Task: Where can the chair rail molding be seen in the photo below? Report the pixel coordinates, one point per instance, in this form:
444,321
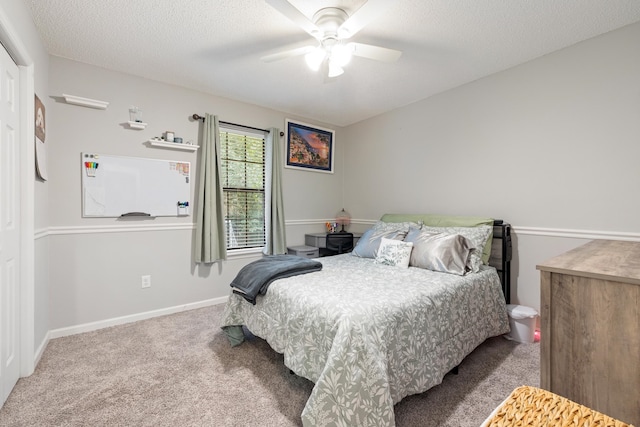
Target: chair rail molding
519,230
575,234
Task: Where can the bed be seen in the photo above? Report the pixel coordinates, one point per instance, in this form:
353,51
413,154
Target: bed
367,334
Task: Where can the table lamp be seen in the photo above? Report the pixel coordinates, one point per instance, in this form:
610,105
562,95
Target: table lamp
343,218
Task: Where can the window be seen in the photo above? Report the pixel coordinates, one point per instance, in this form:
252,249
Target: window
243,181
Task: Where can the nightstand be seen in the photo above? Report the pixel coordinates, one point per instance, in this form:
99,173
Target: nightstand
304,251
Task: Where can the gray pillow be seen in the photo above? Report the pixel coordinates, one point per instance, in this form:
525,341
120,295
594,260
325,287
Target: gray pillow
477,235
368,244
443,252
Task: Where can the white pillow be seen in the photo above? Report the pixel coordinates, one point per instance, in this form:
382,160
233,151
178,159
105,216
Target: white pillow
394,252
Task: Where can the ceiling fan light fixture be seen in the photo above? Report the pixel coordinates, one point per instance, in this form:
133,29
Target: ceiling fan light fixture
341,54
334,68
315,58
332,26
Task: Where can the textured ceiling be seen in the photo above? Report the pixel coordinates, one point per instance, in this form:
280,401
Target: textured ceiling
215,46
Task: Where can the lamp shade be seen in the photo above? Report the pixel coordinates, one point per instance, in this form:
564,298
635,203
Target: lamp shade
343,218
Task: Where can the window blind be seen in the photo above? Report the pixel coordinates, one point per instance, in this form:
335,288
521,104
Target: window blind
243,182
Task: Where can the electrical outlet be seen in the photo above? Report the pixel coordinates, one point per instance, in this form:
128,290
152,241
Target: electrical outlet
146,281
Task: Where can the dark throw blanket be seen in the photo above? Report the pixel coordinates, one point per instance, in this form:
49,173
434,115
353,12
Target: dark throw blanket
255,277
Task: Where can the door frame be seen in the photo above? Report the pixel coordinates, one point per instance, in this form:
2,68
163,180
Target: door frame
26,92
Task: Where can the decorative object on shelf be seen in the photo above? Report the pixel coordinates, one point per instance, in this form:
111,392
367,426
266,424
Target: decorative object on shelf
135,118
343,218
332,227
168,136
157,142
135,114
309,147
177,140
85,102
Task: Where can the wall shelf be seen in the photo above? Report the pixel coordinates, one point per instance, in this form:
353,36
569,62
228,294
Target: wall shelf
136,125
85,102
173,145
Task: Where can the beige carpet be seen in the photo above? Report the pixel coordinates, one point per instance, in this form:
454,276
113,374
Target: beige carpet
179,370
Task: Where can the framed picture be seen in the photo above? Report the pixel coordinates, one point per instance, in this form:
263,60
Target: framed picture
40,132
309,147
40,123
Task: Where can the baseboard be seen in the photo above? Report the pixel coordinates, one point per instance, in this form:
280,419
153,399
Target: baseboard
40,351
93,326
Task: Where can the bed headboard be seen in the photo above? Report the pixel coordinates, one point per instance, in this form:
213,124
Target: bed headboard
500,256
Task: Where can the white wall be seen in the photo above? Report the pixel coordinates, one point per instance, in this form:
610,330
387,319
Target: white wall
550,146
95,275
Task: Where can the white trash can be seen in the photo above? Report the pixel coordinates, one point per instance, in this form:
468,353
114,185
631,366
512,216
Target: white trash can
523,323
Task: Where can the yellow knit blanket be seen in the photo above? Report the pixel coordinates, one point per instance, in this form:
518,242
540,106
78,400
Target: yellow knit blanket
534,407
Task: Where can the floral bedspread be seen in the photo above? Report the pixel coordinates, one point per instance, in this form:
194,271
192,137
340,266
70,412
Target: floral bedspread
369,334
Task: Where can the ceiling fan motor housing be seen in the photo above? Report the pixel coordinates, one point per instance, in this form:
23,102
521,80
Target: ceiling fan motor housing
329,20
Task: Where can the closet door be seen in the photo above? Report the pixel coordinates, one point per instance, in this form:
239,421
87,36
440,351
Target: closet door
9,226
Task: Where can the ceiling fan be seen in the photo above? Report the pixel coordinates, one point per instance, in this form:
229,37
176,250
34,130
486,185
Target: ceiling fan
331,27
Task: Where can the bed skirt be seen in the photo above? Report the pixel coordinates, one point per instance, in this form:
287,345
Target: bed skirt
531,406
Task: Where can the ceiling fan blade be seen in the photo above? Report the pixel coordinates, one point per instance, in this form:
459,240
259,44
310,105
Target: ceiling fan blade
374,52
291,12
361,17
287,54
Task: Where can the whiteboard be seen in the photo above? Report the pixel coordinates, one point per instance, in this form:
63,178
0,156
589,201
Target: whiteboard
118,186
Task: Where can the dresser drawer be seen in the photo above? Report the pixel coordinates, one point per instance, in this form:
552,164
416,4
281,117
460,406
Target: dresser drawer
304,251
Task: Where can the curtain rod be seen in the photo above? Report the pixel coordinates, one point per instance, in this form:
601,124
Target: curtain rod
198,117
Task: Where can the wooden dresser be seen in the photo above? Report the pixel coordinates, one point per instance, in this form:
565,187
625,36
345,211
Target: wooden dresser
590,327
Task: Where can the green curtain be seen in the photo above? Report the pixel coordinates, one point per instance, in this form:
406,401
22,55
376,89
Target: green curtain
211,245
276,237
